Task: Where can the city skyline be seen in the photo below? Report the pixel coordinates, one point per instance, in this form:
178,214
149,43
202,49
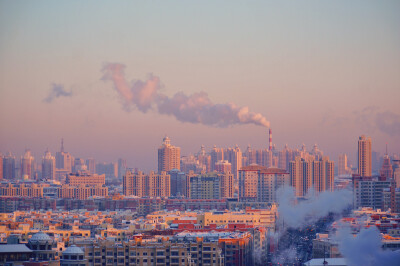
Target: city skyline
320,73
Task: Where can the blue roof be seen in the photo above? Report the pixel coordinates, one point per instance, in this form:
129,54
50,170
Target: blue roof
14,248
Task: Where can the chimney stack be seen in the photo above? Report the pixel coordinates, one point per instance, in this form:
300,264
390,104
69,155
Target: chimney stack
270,139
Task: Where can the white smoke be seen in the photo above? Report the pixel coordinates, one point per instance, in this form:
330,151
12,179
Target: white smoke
315,206
365,248
195,108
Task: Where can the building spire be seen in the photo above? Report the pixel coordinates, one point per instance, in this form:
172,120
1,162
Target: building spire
62,145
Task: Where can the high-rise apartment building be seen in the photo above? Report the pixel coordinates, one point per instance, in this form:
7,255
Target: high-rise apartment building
151,185
227,185
300,175
205,186
269,181
168,156
178,183
79,165
342,165
217,154
159,184
64,160
91,165
234,156
27,165
364,156
134,184
248,182
386,169
48,166
121,168
267,156
251,156
204,158
369,191
110,170
396,172
323,174
223,166
310,173
9,166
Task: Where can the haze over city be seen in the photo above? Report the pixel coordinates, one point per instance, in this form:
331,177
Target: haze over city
319,72
209,133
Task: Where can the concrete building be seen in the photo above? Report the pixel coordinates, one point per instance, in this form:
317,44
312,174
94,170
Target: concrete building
325,247
217,154
342,165
73,256
134,184
178,183
159,185
22,190
27,165
9,166
254,217
42,245
79,165
82,192
310,173
323,174
121,168
64,160
396,172
110,170
248,182
204,158
205,186
84,178
269,181
48,166
386,169
391,199
267,158
368,191
364,156
91,165
234,156
223,166
227,185
168,156
154,251
151,185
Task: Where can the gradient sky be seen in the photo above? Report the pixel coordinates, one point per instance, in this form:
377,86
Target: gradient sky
321,72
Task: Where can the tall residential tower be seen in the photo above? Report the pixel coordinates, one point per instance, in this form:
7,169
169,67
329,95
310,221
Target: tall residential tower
168,156
364,156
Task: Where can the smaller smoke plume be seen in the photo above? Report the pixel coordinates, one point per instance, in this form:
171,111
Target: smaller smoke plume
195,108
365,248
309,211
56,91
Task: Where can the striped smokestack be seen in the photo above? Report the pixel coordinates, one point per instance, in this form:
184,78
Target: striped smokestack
270,139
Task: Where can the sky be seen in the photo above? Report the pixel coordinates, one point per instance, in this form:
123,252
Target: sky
321,72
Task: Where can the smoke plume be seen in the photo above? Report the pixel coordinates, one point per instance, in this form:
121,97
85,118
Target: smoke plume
57,90
365,248
309,211
196,108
